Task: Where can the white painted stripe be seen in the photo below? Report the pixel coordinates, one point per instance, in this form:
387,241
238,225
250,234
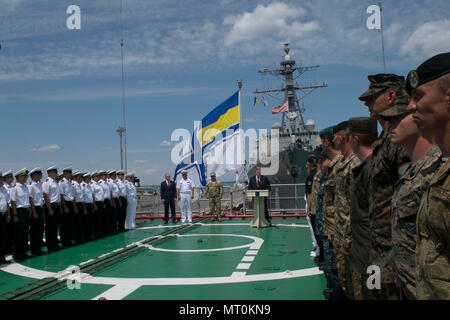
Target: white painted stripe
243,266
86,262
248,259
238,274
252,252
118,292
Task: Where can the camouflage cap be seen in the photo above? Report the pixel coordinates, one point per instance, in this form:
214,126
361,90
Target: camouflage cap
400,106
363,125
326,133
213,174
381,82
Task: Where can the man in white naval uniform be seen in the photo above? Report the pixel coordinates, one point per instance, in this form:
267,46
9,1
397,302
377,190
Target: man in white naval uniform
108,211
68,206
52,209
8,183
37,211
185,190
20,204
5,216
99,205
77,220
89,205
130,222
114,200
123,200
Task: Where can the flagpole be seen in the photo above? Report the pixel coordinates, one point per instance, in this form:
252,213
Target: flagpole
241,127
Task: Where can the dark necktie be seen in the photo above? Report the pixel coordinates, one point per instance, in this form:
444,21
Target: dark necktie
168,184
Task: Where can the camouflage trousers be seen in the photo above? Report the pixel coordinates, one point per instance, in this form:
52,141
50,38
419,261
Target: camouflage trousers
330,267
344,273
215,207
360,290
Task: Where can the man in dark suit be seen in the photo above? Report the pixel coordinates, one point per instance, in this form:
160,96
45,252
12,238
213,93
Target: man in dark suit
260,182
168,193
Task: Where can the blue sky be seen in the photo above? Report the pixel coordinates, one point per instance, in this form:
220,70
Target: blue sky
60,89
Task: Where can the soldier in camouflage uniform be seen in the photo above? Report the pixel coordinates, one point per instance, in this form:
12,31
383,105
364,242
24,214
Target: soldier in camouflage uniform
385,91
312,210
342,237
214,192
362,133
429,86
328,206
425,159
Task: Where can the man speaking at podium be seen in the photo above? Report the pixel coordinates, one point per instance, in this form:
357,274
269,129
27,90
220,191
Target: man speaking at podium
260,182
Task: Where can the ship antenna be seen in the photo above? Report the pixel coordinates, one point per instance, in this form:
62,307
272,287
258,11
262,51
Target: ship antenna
123,129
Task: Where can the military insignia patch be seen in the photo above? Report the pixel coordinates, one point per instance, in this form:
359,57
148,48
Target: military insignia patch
413,79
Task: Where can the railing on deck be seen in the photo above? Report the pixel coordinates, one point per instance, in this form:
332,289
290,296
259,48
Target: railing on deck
283,199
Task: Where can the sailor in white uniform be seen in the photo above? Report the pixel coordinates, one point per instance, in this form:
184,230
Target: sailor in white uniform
37,211
130,222
5,216
185,190
52,209
20,204
123,200
114,200
8,183
99,205
108,211
77,220
88,222
69,207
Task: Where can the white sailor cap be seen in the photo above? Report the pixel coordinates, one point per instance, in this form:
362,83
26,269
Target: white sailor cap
87,174
93,173
21,172
52,168
130,173
37,169
67,169
77,173
102,171
7,173
112,171
120,171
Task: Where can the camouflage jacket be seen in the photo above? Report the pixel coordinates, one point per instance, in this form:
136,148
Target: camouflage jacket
404,207
344,180
433,238
328,197
385,169
319,211
359,218
214,189
315,190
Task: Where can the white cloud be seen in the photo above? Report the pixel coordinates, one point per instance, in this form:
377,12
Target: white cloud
429,39
166,143
49,147
272,20
141,161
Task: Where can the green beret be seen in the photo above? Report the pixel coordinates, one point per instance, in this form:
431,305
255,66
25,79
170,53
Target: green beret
363,125
380,82
400,106
340,126
325,133
433,68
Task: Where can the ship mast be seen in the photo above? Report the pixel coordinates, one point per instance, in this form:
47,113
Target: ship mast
286,73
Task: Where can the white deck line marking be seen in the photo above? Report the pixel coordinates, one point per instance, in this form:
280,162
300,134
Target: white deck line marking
238,274
251,252
118,292
248,258
243,266
86,262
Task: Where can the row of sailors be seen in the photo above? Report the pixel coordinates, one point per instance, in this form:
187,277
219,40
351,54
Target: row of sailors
80,206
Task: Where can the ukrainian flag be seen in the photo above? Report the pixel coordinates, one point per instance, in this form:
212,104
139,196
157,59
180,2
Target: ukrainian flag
225,116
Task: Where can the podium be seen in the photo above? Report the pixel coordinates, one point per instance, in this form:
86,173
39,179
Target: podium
259,219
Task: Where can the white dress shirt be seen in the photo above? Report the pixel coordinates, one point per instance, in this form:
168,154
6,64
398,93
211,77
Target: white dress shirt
51,188
131,190
113,187
185,186
35,189
21,196
4,199
87,192
98,192
106,189
79,197
122,188
67,189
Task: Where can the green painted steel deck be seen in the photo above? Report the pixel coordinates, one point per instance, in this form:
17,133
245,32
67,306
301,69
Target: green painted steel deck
205,260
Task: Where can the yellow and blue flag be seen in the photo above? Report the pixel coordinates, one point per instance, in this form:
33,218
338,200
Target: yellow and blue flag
255,102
